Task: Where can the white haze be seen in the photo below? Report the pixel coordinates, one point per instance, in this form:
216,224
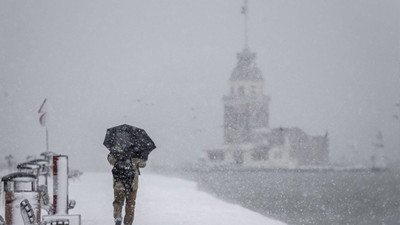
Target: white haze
164,66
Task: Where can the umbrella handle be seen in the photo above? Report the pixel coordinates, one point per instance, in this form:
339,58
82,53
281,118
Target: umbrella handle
137,167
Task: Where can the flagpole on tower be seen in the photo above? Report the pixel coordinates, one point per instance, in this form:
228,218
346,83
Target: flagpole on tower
245,12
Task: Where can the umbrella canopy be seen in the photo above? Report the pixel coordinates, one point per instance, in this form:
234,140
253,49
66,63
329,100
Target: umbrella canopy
130,140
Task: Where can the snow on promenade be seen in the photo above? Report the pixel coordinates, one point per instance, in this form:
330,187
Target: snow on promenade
161,201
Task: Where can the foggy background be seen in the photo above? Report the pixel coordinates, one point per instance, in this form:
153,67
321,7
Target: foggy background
329,66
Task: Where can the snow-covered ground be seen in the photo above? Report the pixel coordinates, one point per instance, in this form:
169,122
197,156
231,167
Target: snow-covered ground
161,201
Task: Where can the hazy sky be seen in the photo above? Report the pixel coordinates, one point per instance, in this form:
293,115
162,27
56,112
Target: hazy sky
164,66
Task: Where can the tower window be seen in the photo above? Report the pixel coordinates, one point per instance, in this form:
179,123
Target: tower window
216,155
238,157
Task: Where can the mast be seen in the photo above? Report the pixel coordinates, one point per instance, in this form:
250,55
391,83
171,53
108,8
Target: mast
245,12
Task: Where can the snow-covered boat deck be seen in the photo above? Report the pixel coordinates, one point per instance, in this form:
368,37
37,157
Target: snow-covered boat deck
161,201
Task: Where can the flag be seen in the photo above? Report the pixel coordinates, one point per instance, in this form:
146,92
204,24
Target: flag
43,107
43,119
43,113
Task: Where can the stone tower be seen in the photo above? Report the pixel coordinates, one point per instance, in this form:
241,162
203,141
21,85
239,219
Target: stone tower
246,108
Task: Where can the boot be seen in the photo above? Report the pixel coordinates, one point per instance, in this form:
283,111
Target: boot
118,221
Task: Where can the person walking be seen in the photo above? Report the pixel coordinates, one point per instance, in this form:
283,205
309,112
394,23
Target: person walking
129,150
126,182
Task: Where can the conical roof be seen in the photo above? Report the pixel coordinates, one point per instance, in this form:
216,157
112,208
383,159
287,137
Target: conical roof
246,68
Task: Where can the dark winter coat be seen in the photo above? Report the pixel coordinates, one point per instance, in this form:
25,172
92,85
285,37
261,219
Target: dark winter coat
138,163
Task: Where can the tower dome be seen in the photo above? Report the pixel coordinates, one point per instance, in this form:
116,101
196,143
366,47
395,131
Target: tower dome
246,69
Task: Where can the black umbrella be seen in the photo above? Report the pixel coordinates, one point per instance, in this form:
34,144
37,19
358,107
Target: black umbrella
130,140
